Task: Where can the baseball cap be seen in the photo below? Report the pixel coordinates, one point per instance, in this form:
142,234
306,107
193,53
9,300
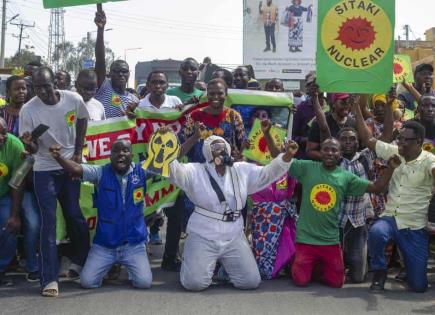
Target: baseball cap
424,66
338,96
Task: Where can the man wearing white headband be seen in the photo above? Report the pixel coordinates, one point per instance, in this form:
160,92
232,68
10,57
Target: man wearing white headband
219,189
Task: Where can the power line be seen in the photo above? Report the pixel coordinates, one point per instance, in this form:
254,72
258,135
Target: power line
21,26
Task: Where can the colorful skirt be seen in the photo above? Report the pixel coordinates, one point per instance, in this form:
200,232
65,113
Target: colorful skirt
273,236
295,33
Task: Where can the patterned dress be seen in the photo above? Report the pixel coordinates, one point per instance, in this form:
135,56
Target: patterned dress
273,227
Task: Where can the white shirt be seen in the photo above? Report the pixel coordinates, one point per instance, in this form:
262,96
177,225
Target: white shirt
193,179
61,118
95,110
170,102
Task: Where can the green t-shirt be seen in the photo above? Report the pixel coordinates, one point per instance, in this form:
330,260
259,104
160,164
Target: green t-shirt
184,96
10,160
322,193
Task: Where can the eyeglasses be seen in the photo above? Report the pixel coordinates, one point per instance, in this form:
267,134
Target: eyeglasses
404,139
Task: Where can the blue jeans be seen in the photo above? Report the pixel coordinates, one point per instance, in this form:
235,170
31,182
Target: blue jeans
30,222
51,186
8,241
414,245
101,259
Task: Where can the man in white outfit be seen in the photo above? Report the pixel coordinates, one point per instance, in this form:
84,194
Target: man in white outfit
219,189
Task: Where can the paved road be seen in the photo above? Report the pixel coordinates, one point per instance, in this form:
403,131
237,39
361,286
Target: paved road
167,297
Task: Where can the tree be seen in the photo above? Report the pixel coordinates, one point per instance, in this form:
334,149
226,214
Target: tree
75,55
20,60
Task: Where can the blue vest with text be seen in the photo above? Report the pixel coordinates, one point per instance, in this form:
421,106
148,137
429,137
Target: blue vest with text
120,223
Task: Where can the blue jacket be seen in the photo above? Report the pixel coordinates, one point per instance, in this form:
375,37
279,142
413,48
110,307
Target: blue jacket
119,222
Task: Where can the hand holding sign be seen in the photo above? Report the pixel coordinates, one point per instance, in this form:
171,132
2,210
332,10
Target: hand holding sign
163,148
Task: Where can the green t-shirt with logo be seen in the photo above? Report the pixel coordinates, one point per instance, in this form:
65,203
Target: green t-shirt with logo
322,193
10,160
182,95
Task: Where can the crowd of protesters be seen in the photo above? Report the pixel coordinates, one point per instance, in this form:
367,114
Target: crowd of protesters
350,195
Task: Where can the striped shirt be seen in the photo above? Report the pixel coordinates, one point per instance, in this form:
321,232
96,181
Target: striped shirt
353,208
114,103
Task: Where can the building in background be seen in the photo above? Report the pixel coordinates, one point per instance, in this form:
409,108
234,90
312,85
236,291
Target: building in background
420,51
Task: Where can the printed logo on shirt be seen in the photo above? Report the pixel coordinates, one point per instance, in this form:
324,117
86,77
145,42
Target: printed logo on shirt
135,179
323,197
282,183
138,195
428,146
70,117
116,100
4,170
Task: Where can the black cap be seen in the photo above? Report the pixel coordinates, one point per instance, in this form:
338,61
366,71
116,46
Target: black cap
424,66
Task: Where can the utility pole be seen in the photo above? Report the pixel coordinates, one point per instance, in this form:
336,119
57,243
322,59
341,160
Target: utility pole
2,49
406,28
20,37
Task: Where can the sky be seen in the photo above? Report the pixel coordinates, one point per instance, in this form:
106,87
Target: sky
172,29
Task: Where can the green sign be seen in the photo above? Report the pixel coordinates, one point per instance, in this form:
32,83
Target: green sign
355,45
69,3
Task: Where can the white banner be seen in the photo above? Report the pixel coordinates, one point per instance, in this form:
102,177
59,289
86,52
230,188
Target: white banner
292,26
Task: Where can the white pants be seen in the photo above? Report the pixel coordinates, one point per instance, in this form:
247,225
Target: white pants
200,257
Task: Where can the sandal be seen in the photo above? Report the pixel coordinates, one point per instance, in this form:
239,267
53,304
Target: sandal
50,290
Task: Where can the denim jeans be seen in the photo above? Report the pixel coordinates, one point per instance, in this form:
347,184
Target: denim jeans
101,259
8,241
30,221
412,243
354,244
51,186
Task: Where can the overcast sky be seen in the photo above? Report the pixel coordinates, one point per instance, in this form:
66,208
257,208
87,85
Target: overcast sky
173,29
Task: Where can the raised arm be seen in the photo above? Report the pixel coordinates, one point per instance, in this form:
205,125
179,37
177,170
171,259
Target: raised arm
325,132
387,134
363,131
411,89
68,165
100,49
381,184
274,170
362,100
192,140
265,128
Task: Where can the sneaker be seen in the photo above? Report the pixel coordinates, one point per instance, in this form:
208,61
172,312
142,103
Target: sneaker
33,276
378,282
5,282
266,49
171,264
72,275
155,239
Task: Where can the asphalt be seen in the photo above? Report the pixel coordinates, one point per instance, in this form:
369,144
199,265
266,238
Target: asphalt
168,297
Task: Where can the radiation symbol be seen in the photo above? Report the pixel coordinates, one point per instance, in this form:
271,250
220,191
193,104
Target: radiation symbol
323,197
4,170
356,35
402,70
163,148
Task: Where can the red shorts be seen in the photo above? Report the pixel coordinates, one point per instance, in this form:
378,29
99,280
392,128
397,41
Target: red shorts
325,261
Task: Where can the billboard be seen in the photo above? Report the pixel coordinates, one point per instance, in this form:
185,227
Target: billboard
279,37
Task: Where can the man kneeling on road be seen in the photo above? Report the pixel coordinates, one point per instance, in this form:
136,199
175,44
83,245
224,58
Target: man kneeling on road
219,189
325,185
121,232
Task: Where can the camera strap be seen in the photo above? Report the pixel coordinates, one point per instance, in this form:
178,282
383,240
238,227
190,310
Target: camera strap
215,187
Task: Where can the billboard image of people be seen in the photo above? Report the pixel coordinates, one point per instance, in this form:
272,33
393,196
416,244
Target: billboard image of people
279,37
